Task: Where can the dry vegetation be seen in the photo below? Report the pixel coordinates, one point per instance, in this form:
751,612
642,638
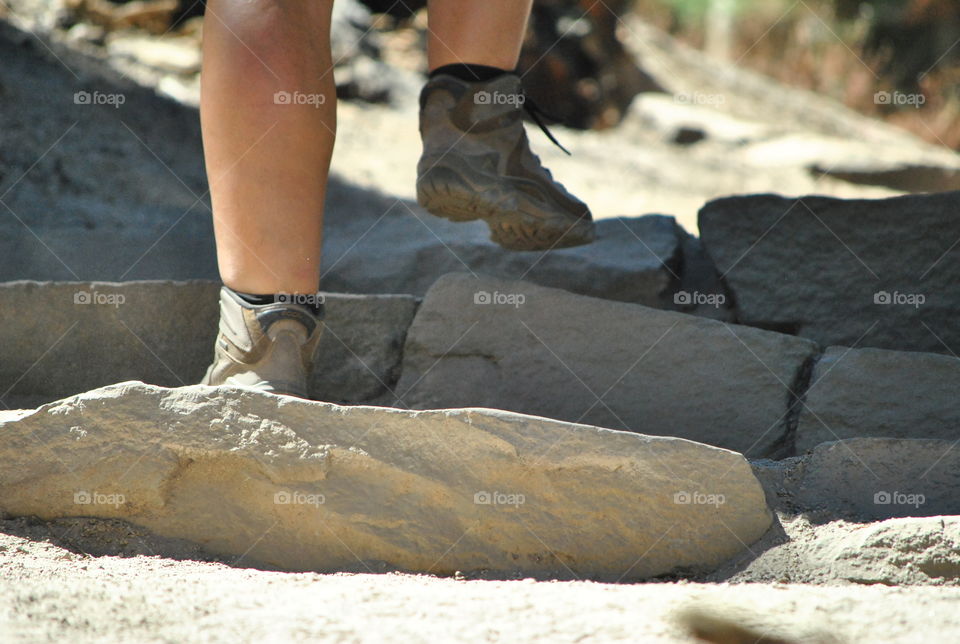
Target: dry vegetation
847,49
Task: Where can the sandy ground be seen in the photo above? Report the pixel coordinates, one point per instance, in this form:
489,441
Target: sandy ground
49,593
84,580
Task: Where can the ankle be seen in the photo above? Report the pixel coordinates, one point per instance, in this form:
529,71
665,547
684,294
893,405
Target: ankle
471,73
313,301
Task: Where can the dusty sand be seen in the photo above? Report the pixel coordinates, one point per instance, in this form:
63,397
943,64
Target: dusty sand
48,592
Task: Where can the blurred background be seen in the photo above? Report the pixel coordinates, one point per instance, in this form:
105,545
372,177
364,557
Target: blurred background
665,104
846,49
575,59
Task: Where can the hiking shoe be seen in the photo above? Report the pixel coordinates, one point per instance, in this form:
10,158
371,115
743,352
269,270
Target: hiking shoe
268,347
477,164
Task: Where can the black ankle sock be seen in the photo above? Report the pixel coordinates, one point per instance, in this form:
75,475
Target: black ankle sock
270,298
256,300
471,73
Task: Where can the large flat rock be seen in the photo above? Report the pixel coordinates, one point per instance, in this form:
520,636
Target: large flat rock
518,346
867,479
875,392
72,336
876,273
312,486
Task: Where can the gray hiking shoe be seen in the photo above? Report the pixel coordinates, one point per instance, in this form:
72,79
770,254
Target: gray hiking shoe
268,347
477,164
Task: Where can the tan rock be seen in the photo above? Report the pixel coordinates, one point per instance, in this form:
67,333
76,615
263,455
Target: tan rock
909,551
306,485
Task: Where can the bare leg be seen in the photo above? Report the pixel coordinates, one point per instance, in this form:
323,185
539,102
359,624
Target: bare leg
481,32
267,158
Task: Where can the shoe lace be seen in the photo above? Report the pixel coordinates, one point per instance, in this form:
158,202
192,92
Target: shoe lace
535,112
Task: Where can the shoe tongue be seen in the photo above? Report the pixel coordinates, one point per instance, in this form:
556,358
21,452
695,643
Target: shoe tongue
506,92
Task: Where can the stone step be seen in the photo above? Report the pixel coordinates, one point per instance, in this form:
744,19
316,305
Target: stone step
63,338
514,345
873,273
302,485
405,250
390,247
505,345
875,392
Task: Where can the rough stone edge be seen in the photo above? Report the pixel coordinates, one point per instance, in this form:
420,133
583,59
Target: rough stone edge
766,540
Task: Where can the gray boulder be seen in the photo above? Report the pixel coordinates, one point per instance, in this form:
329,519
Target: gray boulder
514,345
301,485
877,273
875,392
67,337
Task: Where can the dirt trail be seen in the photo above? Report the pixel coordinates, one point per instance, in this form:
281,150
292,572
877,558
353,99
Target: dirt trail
50,593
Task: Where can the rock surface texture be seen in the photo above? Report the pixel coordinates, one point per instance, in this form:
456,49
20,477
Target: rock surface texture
500,344
405,250
514,345
874,392
867,479
74,336
873,273
895,552
312,486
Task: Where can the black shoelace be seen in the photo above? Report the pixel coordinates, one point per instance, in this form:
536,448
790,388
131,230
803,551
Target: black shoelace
535,112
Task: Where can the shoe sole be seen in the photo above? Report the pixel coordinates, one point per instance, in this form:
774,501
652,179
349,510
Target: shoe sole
445,192
279,388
